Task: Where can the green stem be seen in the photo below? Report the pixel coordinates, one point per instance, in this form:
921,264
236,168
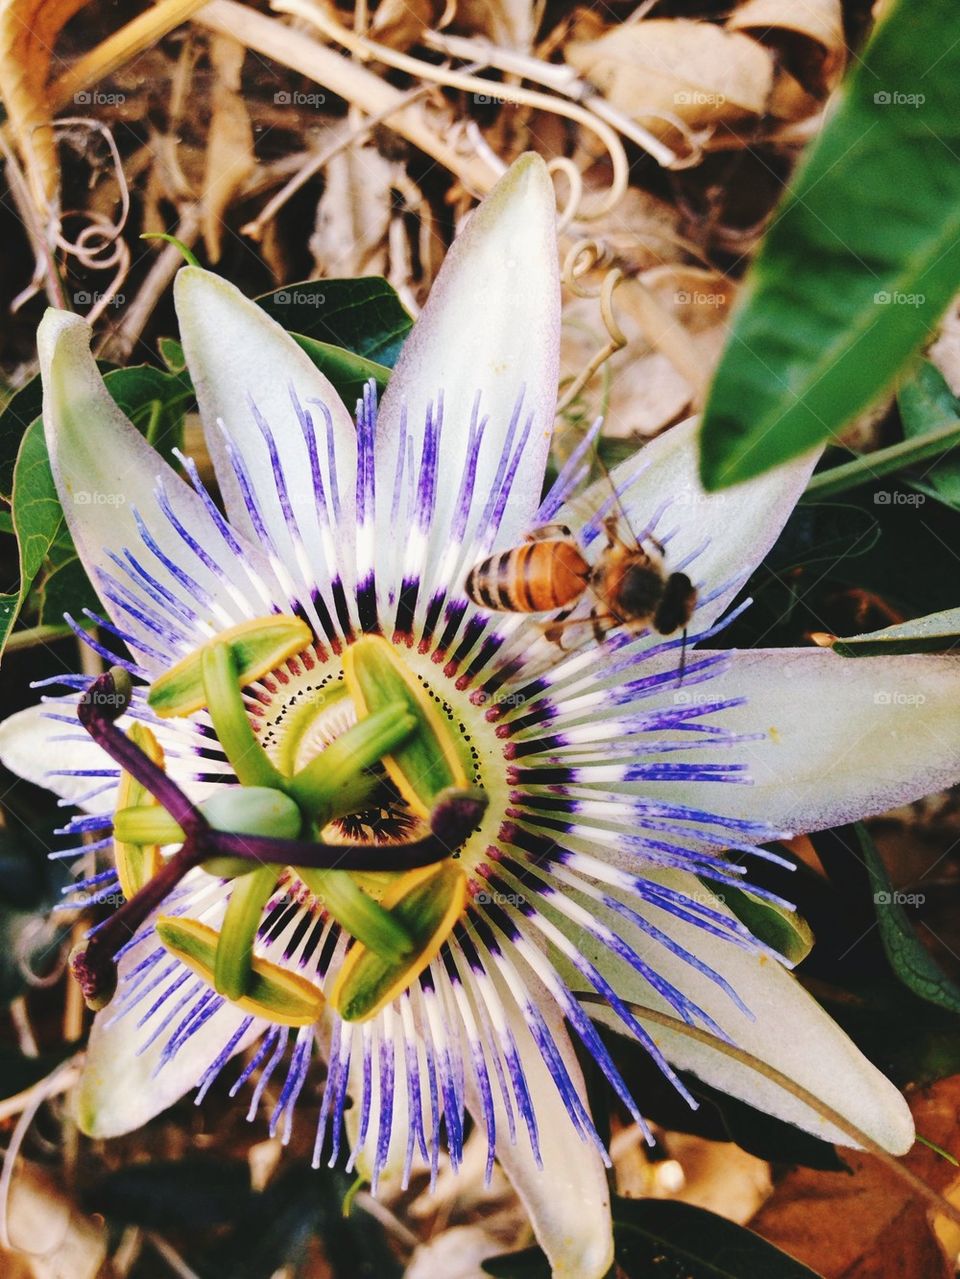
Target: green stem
874,466
188,254
32,635
240,743
234,958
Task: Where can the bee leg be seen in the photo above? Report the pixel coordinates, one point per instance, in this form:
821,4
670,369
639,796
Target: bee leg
546,532
598,617
610,528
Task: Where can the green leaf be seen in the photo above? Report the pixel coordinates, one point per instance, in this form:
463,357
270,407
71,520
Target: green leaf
154,401
37,519
926,404
861,259
349,373
171,352
66,589
364,316
785,930
908,957
674,1240
935,633
18,414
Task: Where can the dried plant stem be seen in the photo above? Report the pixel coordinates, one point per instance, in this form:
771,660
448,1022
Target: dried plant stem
368,49
300,52
559,77
120,47
943,1207
46,266
319,161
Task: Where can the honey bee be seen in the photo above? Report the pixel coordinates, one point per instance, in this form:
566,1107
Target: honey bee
548,572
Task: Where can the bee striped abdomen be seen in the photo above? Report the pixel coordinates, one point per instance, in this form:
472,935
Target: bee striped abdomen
537,577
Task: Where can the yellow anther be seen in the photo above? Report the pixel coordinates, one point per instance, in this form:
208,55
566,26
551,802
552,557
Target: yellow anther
257,647
428,901
136,863
273,993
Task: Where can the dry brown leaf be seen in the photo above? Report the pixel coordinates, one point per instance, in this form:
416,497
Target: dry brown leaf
674,342
51,1239
694,71
869,1225
401,23
353,216
28,33
230,159
511,23
809,36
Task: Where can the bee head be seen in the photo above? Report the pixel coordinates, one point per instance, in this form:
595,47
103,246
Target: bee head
676,605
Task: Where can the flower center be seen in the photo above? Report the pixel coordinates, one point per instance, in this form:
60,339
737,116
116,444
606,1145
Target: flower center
347,753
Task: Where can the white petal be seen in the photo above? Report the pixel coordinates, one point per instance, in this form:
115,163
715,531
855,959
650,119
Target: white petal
790,1031
31,747
239,356
491,325
738,525
846,737
119,1091
104,471
567,1200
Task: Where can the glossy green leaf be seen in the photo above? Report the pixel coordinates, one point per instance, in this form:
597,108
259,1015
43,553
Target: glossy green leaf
365,316
349,373
908,957
676,1240
861,259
